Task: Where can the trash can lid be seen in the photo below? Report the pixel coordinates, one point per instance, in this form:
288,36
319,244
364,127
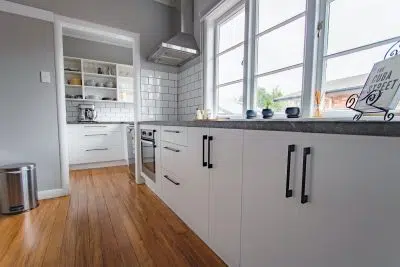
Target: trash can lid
17,167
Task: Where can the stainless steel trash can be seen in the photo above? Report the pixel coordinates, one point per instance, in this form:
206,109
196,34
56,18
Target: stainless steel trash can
18,188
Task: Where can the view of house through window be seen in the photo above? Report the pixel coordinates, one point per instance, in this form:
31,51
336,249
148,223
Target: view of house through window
355,41
351,37
280,54
229,62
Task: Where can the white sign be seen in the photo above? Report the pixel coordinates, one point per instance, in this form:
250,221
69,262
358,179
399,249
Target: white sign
384,80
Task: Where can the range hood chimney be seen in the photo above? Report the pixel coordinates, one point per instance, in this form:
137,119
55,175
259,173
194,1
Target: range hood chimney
182,47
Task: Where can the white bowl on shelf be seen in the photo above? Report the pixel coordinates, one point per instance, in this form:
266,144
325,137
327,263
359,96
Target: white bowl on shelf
93,97
109,84
90,82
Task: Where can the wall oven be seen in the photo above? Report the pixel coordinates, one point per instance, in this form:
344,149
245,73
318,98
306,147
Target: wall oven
148,149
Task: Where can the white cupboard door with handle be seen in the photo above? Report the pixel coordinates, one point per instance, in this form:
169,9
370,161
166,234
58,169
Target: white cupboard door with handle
352,218
226,154
197,182
270,208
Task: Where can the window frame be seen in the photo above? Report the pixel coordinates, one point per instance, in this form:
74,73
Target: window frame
314,55
323,56
232,12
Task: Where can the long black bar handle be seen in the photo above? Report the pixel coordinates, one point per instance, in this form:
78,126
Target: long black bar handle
204,150
210,165
291,149
306,153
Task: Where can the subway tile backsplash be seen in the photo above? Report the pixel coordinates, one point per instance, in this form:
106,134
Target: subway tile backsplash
105,111
190,91
164,96
159,95
159,100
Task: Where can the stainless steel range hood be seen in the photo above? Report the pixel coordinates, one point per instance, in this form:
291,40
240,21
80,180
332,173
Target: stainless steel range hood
182,47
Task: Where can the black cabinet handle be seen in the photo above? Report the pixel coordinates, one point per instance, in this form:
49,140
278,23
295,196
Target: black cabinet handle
171,149
171,131
171,180
306,153
291,149
210,138
204,148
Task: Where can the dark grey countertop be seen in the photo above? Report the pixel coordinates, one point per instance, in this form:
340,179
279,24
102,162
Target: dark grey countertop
327,126
102,122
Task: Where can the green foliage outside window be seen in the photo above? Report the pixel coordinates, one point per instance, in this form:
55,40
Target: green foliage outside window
266,99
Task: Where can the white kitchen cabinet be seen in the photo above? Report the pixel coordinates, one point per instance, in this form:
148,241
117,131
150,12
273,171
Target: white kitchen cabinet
95,144
172,193
226,156
352,215
269,214
197,182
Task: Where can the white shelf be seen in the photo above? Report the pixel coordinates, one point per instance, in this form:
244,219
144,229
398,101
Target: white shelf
72,85
103,101
101,88
72,72
99,75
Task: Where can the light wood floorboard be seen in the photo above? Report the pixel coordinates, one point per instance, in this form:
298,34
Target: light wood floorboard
106,221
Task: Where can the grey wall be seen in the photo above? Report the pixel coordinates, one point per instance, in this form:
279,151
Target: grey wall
28,112
74,47
155,22
199,7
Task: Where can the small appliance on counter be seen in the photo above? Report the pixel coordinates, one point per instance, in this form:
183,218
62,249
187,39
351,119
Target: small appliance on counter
87,113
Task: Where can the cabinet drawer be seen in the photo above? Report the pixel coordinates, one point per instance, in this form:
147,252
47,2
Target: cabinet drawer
87,128
86,154
90,139
173,158
172,192
173,134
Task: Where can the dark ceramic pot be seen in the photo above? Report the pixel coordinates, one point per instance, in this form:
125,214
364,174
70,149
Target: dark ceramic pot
251,114
293,112
267,113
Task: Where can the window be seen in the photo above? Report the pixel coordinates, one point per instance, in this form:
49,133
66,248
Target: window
280,54
229,64
355,40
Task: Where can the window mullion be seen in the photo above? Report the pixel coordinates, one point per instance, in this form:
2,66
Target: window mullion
249,55
310,42
322,13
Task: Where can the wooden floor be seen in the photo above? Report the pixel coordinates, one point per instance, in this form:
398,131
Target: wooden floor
106,221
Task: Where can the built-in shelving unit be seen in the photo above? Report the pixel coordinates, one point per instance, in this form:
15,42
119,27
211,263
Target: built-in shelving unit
87,77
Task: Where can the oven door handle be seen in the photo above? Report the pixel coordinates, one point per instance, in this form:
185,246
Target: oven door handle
148,142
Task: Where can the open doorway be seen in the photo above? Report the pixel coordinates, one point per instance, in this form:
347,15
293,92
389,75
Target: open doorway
78,64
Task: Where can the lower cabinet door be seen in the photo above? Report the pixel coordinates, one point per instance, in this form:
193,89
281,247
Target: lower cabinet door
172,192
197,182
269,208
352,218
226,147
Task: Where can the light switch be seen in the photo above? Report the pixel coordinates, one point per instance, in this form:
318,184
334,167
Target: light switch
45,77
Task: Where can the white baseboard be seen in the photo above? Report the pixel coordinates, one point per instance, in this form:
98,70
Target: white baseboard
47,194
97,165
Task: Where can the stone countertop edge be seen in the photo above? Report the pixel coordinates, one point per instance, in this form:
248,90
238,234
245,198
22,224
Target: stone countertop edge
100,122
368,128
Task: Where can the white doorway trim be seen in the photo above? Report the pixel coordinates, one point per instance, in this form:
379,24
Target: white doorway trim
121,37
